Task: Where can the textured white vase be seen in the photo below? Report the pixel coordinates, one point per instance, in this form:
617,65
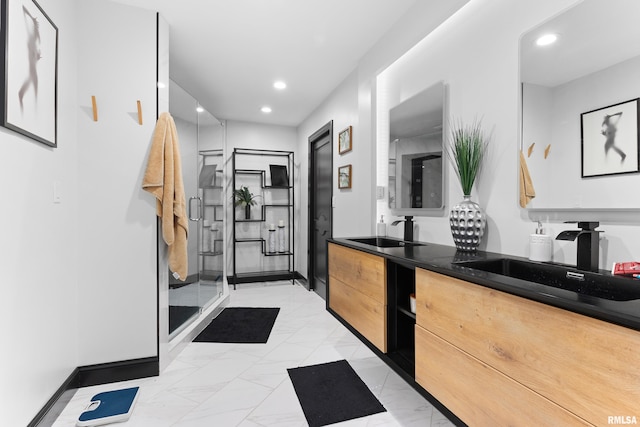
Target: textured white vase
468,222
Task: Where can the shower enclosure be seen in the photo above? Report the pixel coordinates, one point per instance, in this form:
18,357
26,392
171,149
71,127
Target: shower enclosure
201,138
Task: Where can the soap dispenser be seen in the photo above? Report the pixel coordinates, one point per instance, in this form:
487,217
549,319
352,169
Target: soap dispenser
540,245
381,228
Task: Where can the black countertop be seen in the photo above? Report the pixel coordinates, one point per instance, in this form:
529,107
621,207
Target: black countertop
443,259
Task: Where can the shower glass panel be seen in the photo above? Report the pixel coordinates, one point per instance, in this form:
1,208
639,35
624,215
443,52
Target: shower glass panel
201,138
211,194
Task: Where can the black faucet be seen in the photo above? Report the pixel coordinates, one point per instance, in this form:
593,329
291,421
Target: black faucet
588,244
408,227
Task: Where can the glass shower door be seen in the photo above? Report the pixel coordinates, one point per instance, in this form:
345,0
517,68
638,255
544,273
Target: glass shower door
201,139
211,194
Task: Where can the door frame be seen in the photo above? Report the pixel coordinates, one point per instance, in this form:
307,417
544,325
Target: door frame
317,135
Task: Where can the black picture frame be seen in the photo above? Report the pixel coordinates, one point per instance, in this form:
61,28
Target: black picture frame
29,43
610,143
279,176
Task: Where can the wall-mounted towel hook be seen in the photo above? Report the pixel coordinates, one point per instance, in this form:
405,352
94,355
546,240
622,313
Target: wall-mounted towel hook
546,151
530,150
94,106
139,112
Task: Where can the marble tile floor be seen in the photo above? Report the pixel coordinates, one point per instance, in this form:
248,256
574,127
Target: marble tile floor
247,385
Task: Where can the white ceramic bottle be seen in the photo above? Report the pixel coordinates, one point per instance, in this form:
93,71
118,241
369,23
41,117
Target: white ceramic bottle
281,237
271,239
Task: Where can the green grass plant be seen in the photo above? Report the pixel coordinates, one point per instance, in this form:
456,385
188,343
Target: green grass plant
244,197
466,149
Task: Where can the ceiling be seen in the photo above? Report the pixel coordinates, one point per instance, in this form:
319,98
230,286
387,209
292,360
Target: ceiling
228,53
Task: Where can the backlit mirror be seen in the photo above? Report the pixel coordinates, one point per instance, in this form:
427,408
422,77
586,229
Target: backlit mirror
415,152
579,110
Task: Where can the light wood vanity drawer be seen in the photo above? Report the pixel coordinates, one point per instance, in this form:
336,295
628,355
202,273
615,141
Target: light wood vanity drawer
365,314
478,394
588,366
360,270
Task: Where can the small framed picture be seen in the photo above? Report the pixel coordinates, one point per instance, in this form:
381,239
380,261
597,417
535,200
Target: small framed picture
29,70
344,141
279,176
344,176
610,140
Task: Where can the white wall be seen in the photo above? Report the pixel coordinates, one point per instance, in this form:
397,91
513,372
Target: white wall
39,247
80,275
352,103
484,34
476,53
349,219
117,312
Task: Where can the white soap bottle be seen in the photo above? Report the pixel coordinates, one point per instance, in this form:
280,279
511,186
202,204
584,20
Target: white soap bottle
381,228
540,245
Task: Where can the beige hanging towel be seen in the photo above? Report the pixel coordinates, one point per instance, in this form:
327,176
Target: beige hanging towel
527,192
163,179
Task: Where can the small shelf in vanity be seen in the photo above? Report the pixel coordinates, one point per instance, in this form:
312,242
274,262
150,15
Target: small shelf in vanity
401,321
406,312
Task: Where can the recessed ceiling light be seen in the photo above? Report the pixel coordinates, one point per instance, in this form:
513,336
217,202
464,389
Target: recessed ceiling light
546,39
161,85
199,109
280,85
266,109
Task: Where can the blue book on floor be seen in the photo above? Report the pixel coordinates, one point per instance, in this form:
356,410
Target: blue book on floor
109,407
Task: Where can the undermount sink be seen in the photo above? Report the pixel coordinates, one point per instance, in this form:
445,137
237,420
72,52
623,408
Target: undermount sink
383,242
597,285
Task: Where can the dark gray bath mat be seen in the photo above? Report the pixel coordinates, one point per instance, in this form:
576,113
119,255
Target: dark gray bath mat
246,325
332,392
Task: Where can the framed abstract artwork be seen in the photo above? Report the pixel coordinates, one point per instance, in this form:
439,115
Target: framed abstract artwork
344,177
610,140
344,141
30,70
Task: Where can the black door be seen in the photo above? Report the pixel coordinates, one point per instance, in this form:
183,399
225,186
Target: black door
426,184
320,195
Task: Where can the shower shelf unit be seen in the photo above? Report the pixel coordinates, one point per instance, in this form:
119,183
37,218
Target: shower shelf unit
277,203
211,260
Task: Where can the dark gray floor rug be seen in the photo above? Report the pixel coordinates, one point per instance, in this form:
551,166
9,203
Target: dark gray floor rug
332,392
246,325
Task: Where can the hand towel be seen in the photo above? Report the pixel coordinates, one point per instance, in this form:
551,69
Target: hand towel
163,179
527,192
